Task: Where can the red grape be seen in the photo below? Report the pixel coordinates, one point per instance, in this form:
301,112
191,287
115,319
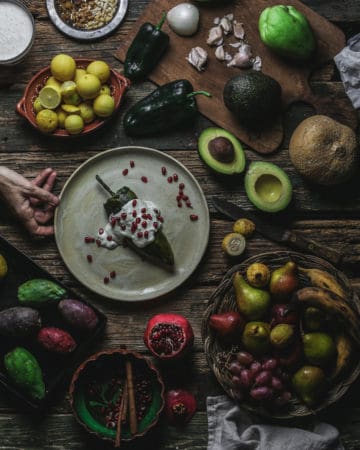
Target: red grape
255,367
263,378
277,384
244,358
269,364
261,393
235,368
246,378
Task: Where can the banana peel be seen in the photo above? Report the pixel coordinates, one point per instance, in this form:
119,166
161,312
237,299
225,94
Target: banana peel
322,279
344,347
159,251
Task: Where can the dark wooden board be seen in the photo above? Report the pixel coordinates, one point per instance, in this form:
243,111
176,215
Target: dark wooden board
292,77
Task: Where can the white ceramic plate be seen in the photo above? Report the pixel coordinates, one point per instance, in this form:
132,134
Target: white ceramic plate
81,214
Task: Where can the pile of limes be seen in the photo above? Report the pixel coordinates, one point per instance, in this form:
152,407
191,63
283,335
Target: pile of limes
73,97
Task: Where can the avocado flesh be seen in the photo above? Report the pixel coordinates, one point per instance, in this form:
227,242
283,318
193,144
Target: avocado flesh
268,187
254,98
225,168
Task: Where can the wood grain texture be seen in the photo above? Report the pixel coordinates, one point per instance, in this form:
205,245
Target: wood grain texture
331,216
293,78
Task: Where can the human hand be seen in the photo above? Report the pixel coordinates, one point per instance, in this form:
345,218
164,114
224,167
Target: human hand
30,201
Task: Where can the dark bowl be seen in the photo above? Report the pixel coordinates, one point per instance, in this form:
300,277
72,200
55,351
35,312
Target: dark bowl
118,87
95,388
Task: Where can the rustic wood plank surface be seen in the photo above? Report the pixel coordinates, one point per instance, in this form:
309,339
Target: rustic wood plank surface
330,215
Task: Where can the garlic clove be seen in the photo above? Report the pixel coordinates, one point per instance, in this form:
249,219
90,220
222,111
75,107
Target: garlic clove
215,36
230,16
220,53
235,44
226,25
243,58
257,63
198,58
239,31
216,21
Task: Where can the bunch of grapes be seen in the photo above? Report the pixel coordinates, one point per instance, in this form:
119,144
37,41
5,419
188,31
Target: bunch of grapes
262,379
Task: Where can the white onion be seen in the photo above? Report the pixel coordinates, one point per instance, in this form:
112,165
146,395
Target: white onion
183,19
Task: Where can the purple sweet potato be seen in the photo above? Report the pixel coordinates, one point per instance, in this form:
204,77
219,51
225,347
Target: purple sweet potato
78,315
19,322
56,340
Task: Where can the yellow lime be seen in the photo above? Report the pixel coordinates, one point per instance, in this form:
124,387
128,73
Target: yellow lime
37,105
68,88
78,74
73,99
3,267
54,83
61,114
47,120
104,105
70,109
100,69
49,97
87,112
74,124
105,89
88,86
63,67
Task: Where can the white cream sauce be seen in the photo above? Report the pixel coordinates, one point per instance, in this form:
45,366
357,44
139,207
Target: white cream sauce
138,220
16,31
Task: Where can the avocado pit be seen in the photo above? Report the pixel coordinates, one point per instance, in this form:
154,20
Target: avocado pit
222,149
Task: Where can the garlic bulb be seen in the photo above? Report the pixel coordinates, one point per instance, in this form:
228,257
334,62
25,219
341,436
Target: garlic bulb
183,19
197,58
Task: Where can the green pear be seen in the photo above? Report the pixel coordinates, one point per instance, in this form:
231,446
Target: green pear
284,281
309,384
252,302
319,348
282,335
256,337
314,319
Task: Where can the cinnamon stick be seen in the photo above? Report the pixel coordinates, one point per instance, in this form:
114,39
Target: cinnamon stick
131,391
122,414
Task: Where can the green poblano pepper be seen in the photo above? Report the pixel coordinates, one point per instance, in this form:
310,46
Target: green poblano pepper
24,370
287,31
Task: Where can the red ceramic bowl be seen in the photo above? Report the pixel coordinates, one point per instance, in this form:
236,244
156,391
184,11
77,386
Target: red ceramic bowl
118,86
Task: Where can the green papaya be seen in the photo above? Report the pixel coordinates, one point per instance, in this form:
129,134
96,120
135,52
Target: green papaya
38,292
24,370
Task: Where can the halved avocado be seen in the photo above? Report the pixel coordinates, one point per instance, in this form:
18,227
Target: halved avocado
221,151
267,186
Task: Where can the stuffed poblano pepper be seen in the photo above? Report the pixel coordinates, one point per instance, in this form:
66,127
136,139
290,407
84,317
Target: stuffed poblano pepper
137,222
170,105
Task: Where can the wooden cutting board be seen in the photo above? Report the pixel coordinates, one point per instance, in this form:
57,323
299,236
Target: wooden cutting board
292,78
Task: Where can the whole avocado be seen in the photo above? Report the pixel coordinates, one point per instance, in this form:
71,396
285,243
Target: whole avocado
38,292
24,370
253,97
287,32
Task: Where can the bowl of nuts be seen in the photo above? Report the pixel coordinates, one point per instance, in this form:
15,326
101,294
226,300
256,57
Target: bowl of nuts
72,96
117,395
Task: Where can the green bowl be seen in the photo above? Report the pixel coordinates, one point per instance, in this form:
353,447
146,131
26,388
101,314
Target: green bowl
95,390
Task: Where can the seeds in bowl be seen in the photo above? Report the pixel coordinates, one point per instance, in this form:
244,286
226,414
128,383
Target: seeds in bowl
86,14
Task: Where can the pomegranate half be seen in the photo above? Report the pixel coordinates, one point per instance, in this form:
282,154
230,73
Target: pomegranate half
168,336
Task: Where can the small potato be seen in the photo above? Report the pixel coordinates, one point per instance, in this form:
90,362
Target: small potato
56,340
78,315
19,322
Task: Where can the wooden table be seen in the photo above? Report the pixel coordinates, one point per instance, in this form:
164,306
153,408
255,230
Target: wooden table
332,216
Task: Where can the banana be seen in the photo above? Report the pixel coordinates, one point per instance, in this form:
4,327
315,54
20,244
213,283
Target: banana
344,351
322,279
332,304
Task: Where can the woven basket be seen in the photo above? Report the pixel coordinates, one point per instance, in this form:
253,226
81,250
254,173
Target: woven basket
223,299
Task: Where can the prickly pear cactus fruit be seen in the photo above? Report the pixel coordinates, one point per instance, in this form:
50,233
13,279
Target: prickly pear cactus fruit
24,370
38,292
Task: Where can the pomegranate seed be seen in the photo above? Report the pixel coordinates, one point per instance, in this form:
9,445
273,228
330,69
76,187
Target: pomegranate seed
144,216
123,227
134,213
89,258
98,242
188,204
144,224
149,217
179,205
125,172
193,217
89,239
160,219
156,211
113,274
106,280
140,234
101,230
181,186
170,179
113,221
123,215
155,225
163,170
134,202
143,210
146,234
133,228
109,238
178,198
144,179
175,177
132,164
138,220
185,197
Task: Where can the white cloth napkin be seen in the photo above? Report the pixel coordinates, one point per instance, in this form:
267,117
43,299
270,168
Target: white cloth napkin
232,428
348,63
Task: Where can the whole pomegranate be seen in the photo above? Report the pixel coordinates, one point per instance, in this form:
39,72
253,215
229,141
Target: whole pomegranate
180,406
168,336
